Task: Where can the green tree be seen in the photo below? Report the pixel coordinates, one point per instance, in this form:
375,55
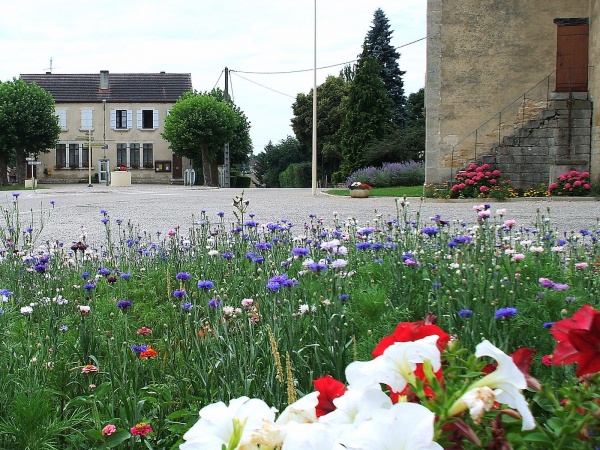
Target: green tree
368,115
402,144
198,127
28,124
330,114
378,45
275,159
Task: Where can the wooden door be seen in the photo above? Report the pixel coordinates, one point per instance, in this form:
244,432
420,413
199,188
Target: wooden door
177,169
572,58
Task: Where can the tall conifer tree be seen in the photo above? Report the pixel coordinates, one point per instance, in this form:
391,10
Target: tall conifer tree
377,43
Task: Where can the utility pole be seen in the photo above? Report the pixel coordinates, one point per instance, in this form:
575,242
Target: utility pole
226,173
314,116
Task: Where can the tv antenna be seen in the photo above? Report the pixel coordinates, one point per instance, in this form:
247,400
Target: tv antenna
49,69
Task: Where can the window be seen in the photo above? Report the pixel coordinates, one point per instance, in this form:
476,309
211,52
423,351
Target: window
84,155
87,119
73,155
162,166
147,119
148,156
61,113
134,155
61,156
121,119
122,155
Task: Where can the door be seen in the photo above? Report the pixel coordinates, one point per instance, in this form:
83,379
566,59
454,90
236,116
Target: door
572,58
177,168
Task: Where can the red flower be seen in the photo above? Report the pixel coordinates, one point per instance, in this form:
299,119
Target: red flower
408,332
148,353
578,340
329,389
141,429
412,331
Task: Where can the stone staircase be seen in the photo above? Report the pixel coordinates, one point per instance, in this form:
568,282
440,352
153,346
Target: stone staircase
551,140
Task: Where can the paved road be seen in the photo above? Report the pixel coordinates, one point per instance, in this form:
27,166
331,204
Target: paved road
162,207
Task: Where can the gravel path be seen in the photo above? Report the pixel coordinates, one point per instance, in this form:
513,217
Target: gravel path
162,207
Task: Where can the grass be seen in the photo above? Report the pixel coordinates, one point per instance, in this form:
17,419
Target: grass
397,191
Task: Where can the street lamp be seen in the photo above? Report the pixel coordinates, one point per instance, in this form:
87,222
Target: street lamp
88,137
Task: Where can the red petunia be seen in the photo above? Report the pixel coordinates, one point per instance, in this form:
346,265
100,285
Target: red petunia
409,332
329,389
578,341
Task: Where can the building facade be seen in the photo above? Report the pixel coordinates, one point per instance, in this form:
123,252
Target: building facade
512,82
112,122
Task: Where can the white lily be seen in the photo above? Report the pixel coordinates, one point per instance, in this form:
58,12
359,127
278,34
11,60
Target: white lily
507,381
396,366
404,426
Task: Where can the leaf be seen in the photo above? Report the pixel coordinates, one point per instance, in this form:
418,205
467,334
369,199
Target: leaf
537,437
117,438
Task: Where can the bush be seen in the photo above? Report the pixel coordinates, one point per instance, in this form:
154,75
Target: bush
298,175
572,183
390,174
481,182
243,182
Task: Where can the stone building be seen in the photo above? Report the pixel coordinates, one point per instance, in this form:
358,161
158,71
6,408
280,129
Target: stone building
122,116
513,83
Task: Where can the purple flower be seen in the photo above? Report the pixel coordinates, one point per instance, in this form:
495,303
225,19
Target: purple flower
63,329
123,305
560,287
548,324
205,284
317,267
343,297
262,245
184,276
430,231
89,286
139,348
105,220
179,293
547,283
363,245
227,255
85,275
504,313
103,272
214,303
125,276
186,306
465,313
300,251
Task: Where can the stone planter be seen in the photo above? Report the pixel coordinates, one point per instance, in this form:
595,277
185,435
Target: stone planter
359,193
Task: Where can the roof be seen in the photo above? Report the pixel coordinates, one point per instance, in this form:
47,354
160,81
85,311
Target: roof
122,87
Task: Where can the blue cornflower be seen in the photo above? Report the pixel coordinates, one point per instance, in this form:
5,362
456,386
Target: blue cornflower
363,245
465,313
85,275
186,306
436,285
214,303
123,305
125,276
263,245
251,223
139,348
103,272
504,313
258,259
317,267
227,255
365,231
40,268
89,286
273,286
16,194
184,276
52,202
205,284
63,329
220,214
343,297
105,220
178,293
548,324
430,231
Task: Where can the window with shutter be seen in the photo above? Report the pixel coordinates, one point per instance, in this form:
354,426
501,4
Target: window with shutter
155,119
61,113
87,119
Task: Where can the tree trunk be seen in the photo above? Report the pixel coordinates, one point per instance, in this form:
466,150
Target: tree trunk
210,170
21,167
3,172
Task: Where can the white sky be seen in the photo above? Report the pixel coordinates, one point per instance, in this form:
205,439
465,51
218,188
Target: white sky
201,37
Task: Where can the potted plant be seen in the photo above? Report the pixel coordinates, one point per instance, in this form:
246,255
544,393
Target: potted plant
358,189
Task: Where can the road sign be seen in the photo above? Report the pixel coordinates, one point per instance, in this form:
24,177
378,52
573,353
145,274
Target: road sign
105,147
34,163
29,158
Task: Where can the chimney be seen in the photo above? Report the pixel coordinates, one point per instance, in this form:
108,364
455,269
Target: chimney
104,80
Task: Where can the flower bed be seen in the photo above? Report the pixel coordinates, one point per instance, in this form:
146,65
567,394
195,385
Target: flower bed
126,338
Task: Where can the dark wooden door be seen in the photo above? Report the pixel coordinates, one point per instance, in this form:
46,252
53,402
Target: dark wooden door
572,58
177,168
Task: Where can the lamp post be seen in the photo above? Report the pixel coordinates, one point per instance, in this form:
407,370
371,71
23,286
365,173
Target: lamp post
314,130
88,137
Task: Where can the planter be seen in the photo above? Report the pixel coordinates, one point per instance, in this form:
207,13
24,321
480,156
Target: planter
118,178
359,193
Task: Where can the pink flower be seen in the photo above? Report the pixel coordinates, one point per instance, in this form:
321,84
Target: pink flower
510,223
518,257
89,368
581,265
144,331
493,181
108,430
483,188
568,186
587,186
84,309
141,429
496,173
552,186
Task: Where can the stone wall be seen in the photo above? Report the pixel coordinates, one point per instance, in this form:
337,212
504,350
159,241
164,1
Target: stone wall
482,56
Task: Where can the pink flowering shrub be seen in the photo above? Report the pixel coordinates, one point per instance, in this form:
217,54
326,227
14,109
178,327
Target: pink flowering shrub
572,183
476,181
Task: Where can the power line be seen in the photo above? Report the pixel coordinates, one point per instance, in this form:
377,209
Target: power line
319,68
261,85
219,79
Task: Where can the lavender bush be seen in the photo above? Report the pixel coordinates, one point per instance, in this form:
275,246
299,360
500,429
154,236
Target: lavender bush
390,174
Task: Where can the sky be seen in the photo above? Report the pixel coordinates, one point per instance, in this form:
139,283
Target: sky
268,45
